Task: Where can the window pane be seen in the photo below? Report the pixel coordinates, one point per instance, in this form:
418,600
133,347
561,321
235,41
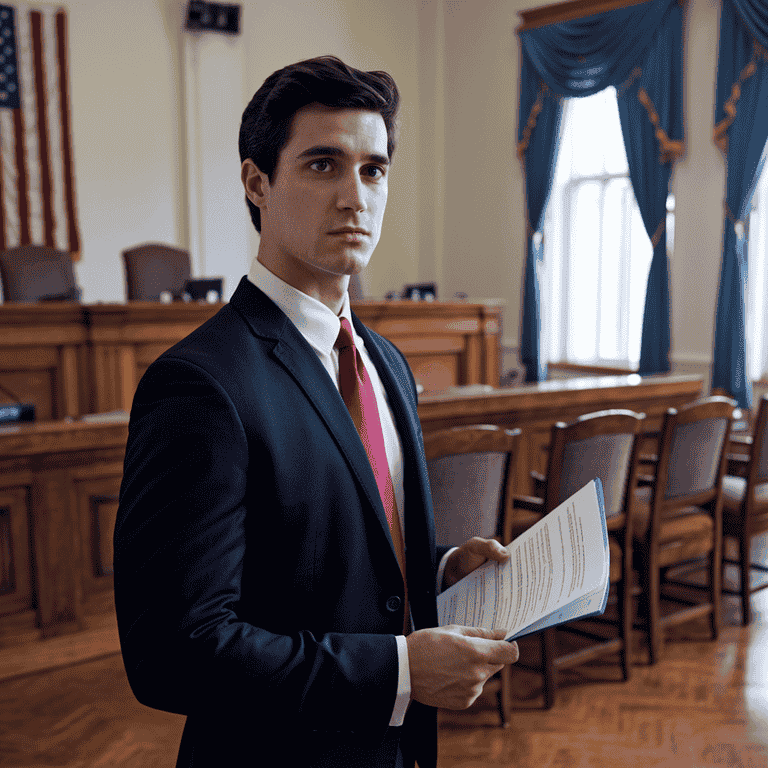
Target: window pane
640,263
587,116
757,280
583,255
755,330
596,250
611,138
610,295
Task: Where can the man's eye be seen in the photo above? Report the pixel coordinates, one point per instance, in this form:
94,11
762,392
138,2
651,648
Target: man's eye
374,172
321,165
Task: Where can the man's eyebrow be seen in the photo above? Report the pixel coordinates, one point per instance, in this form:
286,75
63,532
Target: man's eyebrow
321,151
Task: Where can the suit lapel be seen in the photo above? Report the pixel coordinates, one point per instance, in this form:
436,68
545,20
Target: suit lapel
293,352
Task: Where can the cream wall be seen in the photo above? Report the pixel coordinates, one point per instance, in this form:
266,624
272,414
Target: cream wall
483,222
124,103
147,96
456,207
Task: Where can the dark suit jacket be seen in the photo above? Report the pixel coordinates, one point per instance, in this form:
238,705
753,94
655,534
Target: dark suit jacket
256,586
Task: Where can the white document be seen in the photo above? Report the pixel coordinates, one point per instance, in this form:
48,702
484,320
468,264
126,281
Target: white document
558,571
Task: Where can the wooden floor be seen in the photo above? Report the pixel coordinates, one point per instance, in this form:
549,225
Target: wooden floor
705,704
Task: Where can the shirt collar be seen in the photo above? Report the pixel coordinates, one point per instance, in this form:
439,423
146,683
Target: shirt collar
314,321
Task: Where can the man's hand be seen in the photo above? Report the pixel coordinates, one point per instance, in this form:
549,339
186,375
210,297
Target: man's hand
449,665
469,556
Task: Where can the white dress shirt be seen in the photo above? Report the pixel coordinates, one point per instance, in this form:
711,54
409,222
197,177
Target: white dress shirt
320,327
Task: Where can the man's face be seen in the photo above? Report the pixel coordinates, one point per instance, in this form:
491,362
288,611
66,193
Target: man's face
321,215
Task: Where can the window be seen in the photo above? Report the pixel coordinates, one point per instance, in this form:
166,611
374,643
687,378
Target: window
596,251
757,282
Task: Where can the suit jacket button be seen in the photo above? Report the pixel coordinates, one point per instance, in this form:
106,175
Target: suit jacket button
394,603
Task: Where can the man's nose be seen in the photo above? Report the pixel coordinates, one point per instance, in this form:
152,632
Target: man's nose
352,193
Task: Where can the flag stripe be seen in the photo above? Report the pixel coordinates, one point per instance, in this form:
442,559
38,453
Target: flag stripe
35,19
3,245
22,189
10,210
25,122
37,185
54,130
66,135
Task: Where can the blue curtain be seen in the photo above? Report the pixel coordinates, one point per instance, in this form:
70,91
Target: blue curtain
741,130
637,50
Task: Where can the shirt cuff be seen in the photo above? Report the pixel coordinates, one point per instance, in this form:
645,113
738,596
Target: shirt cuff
441,569
403,698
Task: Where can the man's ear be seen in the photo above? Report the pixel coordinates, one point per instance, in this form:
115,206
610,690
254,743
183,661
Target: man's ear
255,182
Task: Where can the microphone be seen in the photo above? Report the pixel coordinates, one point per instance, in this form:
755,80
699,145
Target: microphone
11,413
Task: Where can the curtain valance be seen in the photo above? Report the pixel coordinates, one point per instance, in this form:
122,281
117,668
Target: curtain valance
638,50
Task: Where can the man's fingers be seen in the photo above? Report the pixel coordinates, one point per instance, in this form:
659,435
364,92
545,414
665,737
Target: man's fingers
502,653
496,652
489,634
489,548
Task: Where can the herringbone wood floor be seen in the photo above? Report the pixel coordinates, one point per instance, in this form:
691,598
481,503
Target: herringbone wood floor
705,704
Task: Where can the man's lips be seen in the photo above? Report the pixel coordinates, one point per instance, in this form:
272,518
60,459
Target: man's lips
349,231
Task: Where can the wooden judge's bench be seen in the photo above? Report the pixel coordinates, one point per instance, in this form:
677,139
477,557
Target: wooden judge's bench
60,477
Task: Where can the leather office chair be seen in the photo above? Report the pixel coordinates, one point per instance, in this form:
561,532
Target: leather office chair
601,445
678,520
472,477
36,273
154,268
745,509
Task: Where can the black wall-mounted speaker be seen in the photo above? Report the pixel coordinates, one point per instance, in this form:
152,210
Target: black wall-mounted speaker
213,17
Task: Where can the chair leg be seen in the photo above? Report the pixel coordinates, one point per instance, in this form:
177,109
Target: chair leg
625,624
548,666
504,696
745,557
655,630
716,589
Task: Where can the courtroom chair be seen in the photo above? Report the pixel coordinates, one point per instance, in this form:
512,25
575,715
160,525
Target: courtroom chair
471,477
604,445
745,509
678,521
155,268
38,273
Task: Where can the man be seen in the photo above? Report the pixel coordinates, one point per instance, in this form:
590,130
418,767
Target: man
261,542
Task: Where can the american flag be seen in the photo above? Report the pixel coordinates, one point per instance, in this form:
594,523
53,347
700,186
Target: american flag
37,184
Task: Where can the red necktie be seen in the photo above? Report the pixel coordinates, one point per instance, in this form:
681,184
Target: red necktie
358,395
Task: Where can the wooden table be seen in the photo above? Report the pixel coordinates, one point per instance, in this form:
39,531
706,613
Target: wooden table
59,484
70,359
536,407
43,349
125,338
446,343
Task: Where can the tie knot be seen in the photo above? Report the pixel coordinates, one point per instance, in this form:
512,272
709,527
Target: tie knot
344,339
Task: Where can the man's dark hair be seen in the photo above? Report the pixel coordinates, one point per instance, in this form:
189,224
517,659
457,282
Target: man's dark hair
327,80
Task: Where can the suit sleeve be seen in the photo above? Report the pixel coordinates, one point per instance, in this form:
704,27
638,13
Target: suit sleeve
180,544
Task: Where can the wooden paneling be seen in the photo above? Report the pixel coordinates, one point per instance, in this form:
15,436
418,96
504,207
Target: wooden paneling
70,359
41,356
58,500
126,338
97,501
536,407
15,560
446,343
